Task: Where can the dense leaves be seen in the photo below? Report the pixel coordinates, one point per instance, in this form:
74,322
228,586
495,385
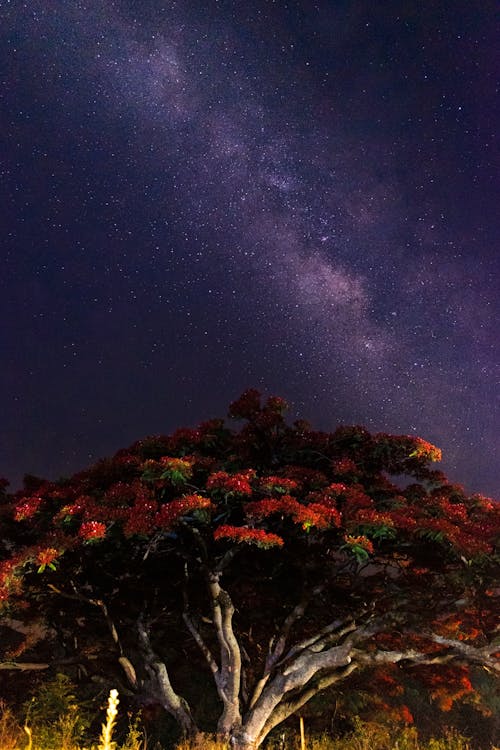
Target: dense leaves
331,566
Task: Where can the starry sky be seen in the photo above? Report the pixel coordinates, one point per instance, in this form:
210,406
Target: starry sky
294,195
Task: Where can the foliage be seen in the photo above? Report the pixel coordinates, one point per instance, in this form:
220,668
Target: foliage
286,554
11,733
364,736
52,734
55,711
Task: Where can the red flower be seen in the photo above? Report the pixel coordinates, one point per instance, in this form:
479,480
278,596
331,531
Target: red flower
336,489
11,574
92,530
314,514
277,484
483,503
238,534
27,508
360,541
449,684
238,484
372,517
177,468
326,515
171,512
356,500
184,437
263,508
423,449
305,477
402,713
402,519
140,518
344,466
47,556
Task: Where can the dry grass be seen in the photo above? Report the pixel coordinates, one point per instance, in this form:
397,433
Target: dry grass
365,736
203,742
13,736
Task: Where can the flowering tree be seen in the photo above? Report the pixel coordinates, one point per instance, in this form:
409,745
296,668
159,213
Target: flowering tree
287,555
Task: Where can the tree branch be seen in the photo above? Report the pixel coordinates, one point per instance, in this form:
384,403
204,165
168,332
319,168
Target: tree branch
24,666
173,703
482,655
214,667
289,707
307,665
277,647
318,641
230,654
123,660
27,666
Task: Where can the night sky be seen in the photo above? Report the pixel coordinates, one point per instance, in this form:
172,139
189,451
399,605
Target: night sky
202,197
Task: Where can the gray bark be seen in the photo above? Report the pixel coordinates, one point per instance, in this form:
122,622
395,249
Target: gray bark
173,703
229,678
266,711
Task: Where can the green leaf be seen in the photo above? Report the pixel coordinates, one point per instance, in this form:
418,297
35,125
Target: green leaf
359,552
176,477
383,532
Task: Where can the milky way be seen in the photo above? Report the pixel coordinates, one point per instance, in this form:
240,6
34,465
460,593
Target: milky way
298,197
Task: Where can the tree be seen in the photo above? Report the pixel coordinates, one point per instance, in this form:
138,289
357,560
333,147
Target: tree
287,555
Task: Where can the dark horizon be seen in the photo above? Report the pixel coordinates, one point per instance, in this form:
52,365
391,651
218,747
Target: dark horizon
199,199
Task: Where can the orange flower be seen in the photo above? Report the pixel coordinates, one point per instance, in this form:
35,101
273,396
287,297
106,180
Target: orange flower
251,536
47,556
359,541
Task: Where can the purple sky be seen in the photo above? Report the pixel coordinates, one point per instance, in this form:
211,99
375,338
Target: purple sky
204,197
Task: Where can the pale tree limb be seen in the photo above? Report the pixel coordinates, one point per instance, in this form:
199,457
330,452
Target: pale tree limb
312,672
230,654
289,707
123,660
189,622
214,667
277,646
26,666
479,655
454,651
173,703
331,632
227,674
294,676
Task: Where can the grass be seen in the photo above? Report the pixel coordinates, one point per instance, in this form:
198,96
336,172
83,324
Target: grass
63,736
14,736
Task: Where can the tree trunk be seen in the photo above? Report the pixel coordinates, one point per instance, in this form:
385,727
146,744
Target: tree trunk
162,688
228,680
171,702
241,740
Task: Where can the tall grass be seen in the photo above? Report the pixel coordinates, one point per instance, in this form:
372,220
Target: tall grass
60,734
15,735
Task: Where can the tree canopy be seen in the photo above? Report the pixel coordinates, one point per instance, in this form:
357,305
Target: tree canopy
288,556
